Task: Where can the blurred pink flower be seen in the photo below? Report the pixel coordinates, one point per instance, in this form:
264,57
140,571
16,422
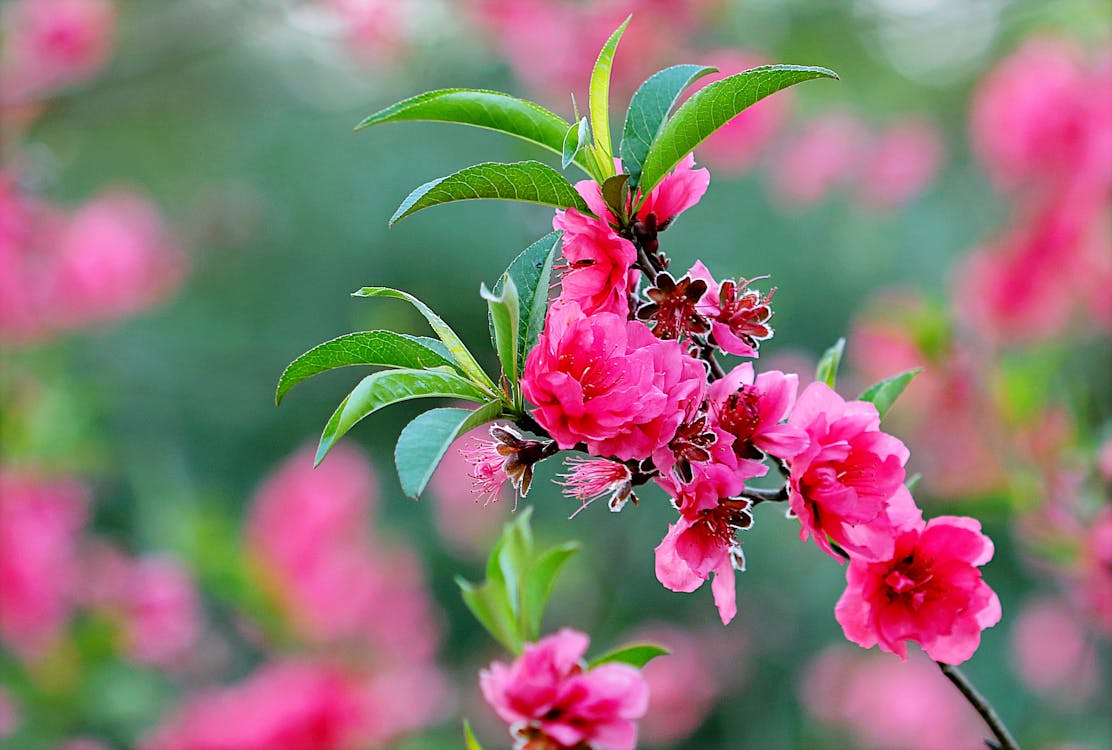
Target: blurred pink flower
1104,460
928,591
1096,570
822,157
899,163
682,685
887,704
375,30
1052,654
40,527
548,694
53,43
739,143
24,272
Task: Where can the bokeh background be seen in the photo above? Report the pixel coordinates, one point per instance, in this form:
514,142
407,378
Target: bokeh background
184,208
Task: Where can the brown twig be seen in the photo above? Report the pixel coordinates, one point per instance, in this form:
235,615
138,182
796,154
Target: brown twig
1004,739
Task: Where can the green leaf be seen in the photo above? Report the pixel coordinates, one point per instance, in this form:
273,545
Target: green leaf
470,743
636,656
538,586
600,99
527,181
616,196
712,107
913,481
511,558
424,441
453,342
381,348
531,272
390,387
505,317
648,110
827,370
492,110
884,394
577,138
491,608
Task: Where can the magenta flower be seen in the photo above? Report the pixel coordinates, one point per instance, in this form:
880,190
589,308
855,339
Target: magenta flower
609,383
593,478
681,189
598,276
723,475
549,697
848,483
739,315
928,590
752,408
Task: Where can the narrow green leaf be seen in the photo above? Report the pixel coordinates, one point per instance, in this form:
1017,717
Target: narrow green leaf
884,394
531,272
492,110
648,110
390,387
636,656
577,138
491,608
505,316
827,370
455,345
616,196
600,97
470,743
424,441
375,348
511,559
538,585
913,481
712,107
527,181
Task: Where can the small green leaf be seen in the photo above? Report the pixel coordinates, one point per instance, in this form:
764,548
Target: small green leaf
712,107
511,559
913,481
491,608
577,138
827,370
600,99
505,316
538,586
884,394
470,743
492,110
616,197
424,441
636,656
527,181
388,387
455,345
648,110
531,272
381,348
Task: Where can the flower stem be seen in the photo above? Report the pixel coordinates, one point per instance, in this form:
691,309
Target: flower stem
1004,739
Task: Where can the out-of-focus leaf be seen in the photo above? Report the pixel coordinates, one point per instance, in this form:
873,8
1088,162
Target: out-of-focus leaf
492,110
424,441
470,743
538,586
827,370
576,139
531,272
600,99
527,181
391,387
913,481
648,110
381,348
712,107
455,345
505,315
636,656
883,394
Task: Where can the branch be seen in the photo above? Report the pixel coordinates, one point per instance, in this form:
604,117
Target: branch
1004,739
758,495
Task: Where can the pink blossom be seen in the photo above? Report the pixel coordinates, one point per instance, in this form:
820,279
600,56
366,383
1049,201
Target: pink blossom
487,469
751,408
27,227
723,475
848,483
465,523
1096,570
609,383
599,276
592,478
548,693
695,547
1104,460
899,163
40,526
680,189
821,158
375,30
162,616
682,686
928,590
53,43
888,705
1052,654
739,143
739,315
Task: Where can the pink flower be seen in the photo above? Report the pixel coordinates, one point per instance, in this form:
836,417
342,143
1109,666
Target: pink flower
900,163
466,524
375,30
488,471
609,383
722,475
752,408
694,548
682,686
821,158
1052,653
739,315
1096,570
548,694
27,229
40,527
739,143
592,478
848,483
599,276
162,616
680,189
928,590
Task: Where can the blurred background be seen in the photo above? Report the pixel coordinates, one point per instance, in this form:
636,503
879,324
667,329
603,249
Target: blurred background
184,208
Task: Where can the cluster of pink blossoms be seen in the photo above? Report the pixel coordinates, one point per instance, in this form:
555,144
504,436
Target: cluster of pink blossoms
627,375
